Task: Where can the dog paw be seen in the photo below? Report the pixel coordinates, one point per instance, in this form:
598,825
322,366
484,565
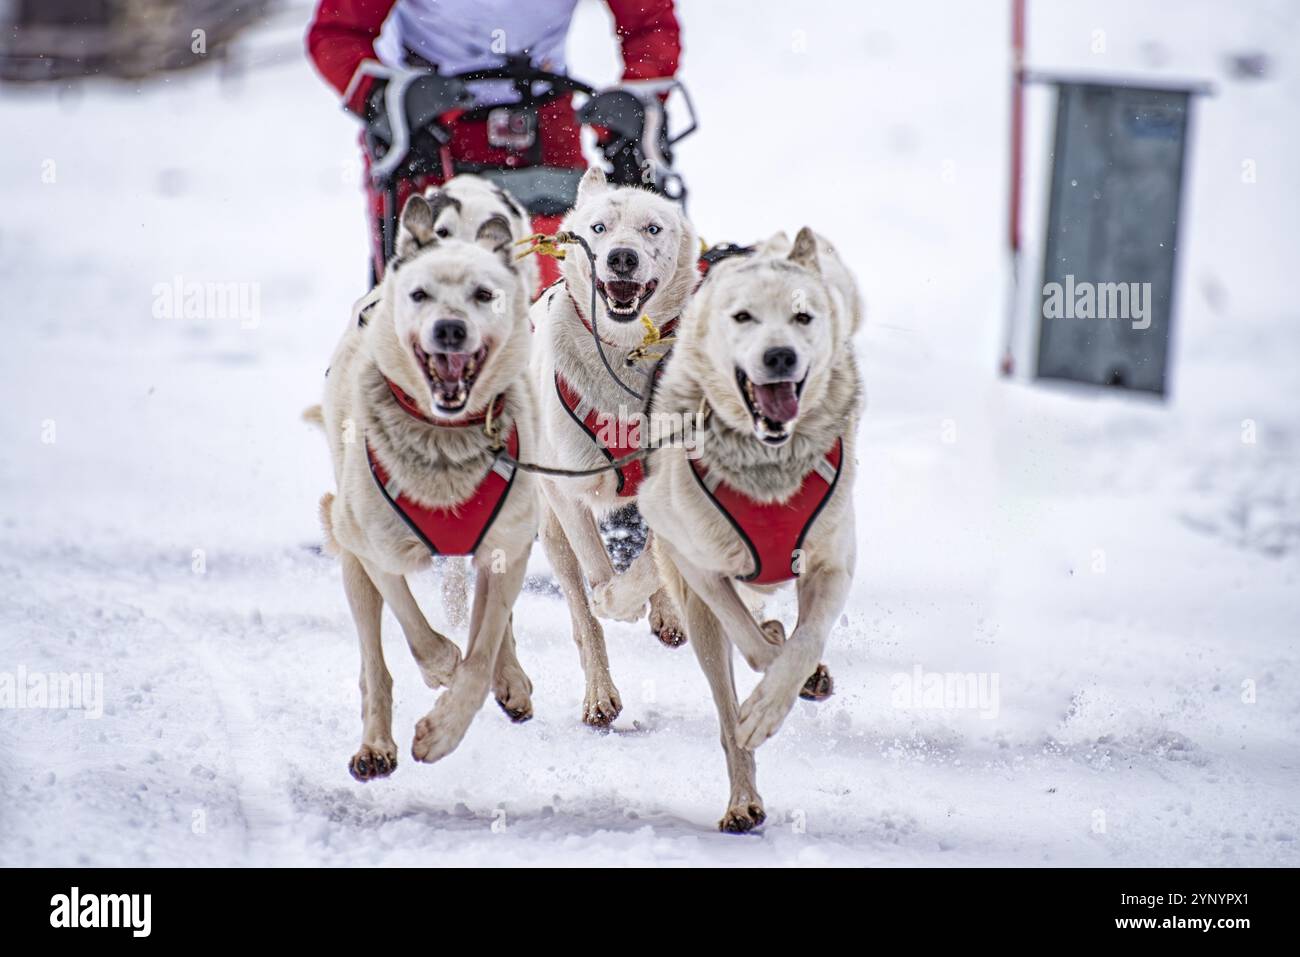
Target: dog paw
601,706
434,740
775,631
742,818
762,713
664,623
670,635
609,601
819,686
439,732
373,761
517,713
513,693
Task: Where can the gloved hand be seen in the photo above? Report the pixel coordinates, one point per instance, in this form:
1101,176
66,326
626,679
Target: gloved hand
402,106
421,98
634,138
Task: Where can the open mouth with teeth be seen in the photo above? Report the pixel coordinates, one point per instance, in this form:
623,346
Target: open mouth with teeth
624,299
774,407
450,376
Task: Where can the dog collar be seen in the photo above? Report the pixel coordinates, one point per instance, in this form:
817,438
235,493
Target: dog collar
410,407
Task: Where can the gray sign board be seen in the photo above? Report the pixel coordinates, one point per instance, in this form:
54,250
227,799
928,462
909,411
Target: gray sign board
1105,306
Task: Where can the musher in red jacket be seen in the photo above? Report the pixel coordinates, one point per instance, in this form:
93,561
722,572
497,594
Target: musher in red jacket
361,47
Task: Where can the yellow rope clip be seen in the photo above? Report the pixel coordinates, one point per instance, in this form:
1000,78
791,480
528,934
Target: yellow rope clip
652,338
651,331
542,245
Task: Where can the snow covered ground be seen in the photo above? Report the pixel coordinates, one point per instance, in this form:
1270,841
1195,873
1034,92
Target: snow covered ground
1128,571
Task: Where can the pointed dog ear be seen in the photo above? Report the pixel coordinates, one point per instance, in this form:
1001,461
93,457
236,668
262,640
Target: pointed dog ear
415,230
778,243
804,251
593,182
494,234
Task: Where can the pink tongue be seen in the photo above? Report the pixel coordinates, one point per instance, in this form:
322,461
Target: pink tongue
450,365
778,401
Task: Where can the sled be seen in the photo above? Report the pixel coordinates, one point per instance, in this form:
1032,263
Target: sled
638,146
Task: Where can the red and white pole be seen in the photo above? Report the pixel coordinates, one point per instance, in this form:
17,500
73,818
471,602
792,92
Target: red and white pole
1017,153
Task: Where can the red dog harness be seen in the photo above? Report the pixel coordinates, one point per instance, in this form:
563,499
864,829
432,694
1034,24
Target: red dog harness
627,438
459,529
599,425
774,532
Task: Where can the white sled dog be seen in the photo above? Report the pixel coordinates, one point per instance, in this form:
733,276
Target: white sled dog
427,407
645,254
461,206
765,497
465,202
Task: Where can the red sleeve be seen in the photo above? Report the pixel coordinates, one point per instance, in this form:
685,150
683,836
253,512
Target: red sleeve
342,37
650,37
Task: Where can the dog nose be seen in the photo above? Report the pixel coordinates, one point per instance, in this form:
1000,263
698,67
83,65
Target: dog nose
622,260
449,335
780,361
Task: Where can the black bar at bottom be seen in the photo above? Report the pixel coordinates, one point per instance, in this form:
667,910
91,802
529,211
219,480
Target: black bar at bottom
340,907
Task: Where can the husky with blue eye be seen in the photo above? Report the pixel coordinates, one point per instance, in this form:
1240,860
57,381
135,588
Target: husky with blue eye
639,275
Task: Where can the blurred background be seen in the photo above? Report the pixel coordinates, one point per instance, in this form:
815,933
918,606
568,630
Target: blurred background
1124,559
